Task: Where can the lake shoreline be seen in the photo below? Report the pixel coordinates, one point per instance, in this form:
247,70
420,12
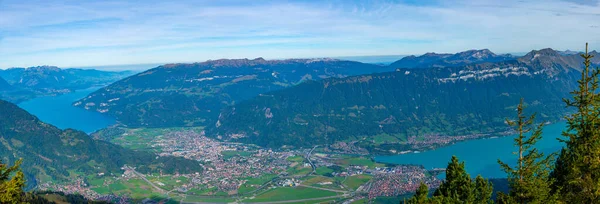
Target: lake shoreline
58,111
480,155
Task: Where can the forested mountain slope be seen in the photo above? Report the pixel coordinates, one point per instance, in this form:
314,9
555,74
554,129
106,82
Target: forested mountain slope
408,103
193,94
51,153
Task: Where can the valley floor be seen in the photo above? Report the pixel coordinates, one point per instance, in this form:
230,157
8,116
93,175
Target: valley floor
243,173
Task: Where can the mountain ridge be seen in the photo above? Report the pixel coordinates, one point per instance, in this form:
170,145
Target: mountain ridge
28,83
193,94
405,104
49,152
431,59
198,91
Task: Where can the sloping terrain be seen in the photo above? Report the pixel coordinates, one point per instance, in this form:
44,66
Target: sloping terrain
27,83
53,154
450,60
193,94
408,103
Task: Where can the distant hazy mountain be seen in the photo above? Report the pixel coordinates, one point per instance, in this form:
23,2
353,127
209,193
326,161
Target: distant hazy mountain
551,58
374,59
49,152
4,85
448,101
192,94
450,60
48,77
12,93
569,52
44,80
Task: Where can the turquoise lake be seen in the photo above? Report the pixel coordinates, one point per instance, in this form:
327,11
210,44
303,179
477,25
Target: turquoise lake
58,111
480,156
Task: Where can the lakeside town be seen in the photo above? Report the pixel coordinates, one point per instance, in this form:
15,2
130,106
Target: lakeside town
235,172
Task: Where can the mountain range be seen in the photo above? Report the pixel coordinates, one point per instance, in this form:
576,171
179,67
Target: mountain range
450,60
194,94
303,102
50,153
404,106
11,93
27,83
4,85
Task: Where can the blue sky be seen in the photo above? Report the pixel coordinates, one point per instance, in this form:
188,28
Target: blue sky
93,33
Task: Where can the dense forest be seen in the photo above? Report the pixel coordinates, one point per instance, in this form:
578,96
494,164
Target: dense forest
569,176
193,94
447,101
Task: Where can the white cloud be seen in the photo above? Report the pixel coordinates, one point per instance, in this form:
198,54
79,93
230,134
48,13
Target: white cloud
75,33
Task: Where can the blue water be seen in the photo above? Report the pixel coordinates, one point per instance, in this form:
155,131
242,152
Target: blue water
58,111
480,156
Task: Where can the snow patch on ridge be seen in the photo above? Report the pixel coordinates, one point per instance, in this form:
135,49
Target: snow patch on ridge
465,75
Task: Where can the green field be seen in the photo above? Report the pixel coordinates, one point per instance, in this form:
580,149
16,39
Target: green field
169,182
296,159
141,138
134,188
323,170
353,182
96,181
202,191
102,190
318,181
253,183
208,200
261,180
299,170
246,189
312,180
290,193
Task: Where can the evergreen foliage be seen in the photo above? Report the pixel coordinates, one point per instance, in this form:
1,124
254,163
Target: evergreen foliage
577,172
458,187
575,177
528,181
420,196
12,181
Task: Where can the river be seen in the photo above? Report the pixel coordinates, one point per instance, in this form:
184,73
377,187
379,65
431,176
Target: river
480,156
58,111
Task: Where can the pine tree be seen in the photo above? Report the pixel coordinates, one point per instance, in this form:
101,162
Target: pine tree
457,183
11,189
420,196
528,181
483,190
577,171
458,187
